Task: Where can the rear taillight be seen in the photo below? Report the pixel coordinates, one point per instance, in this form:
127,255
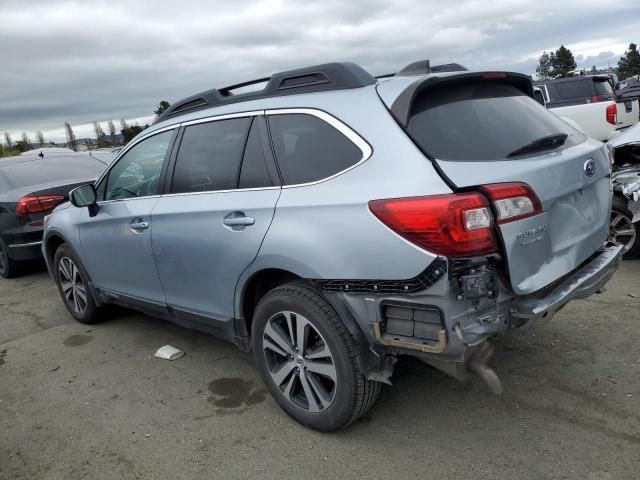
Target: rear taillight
453,225
460,224
512,201
38,203
612,114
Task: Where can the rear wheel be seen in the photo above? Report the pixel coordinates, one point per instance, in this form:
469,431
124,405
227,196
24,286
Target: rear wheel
622,230
8,268
73,285
308,359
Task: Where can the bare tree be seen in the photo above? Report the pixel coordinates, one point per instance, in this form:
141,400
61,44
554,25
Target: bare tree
123,124
100,136
112,133
7,140
25,140
40,138
72,143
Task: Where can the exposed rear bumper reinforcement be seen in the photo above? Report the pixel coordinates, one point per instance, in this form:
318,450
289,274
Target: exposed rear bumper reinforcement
582,283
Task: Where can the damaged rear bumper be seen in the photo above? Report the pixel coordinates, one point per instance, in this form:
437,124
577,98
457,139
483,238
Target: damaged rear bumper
582,283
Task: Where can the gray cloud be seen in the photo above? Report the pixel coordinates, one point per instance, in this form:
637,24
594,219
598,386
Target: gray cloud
85,61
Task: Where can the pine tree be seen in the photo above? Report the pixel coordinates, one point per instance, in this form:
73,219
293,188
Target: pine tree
629,63
563,62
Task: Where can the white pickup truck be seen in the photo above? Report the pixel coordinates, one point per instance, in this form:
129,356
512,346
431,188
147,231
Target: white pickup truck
590,101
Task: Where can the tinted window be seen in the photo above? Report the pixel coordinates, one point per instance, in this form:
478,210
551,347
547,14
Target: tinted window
603,88
254,172
309,149
481,122
210,155
573,89
60,170
137,173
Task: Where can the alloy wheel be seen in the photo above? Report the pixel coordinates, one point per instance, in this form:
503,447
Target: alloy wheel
622,231
299,361
73,288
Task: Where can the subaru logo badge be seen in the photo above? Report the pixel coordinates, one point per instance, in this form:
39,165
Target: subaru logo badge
590,168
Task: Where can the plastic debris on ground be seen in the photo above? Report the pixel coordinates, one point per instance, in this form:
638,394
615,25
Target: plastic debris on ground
169,353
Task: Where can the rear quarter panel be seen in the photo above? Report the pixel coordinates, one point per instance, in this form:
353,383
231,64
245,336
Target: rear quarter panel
326,230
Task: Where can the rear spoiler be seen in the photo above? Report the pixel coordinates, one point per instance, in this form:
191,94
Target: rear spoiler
401,107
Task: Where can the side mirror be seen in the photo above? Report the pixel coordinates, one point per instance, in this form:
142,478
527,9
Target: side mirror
85,196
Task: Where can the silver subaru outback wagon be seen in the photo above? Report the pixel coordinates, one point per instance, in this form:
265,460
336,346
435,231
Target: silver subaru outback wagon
332,221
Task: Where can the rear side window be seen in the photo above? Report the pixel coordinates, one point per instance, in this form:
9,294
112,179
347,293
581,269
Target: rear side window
308,149
484,121
210,156
573,89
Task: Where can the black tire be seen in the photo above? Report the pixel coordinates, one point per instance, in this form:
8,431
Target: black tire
620,208
8,267
353,394
90,313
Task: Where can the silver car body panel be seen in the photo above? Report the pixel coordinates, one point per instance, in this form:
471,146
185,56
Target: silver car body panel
189,260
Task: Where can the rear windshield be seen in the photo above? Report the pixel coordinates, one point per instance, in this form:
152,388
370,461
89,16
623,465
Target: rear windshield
37,172
603,88
480,122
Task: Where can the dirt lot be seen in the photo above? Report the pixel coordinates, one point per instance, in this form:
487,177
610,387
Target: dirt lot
92,402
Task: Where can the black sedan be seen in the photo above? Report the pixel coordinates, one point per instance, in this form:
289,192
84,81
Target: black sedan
31,186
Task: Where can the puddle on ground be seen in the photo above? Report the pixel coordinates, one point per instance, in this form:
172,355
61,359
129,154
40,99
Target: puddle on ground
235,393
77,340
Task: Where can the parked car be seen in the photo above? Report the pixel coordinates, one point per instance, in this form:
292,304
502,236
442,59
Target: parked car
591,102
625,215
30,187
629,88
47,150
332,221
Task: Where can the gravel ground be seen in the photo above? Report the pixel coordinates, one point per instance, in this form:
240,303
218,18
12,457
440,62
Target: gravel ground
92,402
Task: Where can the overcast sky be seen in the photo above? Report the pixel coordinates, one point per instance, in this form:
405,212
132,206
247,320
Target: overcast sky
93,60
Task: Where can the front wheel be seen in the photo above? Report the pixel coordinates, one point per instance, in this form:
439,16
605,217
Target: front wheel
73,285
622,231
308,359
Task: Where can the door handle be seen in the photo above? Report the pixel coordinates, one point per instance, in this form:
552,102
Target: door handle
138,225
239,221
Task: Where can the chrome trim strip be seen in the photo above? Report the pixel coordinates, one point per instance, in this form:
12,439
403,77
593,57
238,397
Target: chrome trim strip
103,202
256,189
22,245
360,142
225,116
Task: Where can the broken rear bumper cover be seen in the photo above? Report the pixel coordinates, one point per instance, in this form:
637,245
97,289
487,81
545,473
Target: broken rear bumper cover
580,284
433,323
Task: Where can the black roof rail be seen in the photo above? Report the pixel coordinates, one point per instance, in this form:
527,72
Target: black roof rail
317,78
